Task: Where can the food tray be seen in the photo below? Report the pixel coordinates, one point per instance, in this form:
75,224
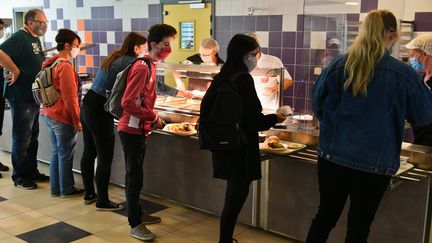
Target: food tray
284,152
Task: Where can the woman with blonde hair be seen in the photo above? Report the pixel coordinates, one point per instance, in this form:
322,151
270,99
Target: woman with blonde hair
362,100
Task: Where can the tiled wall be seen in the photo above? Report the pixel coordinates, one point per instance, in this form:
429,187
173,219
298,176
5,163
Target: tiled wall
292,30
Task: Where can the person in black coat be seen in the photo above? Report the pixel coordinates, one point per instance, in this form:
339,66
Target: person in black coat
240,167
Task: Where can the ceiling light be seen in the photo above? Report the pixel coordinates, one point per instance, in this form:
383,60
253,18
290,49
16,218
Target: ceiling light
351,3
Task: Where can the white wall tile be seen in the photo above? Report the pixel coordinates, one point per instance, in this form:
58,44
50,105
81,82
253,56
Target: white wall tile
318,40
413,6
263,38
60,24
223,8
237,7
81,35
395,6
127,24
289,22
111,37
73,25
103,49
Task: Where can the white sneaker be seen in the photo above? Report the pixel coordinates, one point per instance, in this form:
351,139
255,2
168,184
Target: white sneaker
142,233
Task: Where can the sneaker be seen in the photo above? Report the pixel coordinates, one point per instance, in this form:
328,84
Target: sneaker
40,177
90,198
1,175
149,219
25,184
54,194
3,167
142,233
109,206
75,193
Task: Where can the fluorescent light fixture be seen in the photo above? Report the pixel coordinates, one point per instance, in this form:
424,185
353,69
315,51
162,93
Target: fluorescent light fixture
190,1
351,3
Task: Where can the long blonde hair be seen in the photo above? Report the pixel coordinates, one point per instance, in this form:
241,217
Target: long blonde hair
368,48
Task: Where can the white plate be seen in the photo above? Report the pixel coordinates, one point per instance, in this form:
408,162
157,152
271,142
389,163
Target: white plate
168,127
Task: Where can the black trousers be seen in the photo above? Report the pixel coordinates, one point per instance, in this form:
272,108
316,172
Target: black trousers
336,183
134,147
99,136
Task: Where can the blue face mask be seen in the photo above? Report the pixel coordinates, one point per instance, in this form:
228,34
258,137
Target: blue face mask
416,64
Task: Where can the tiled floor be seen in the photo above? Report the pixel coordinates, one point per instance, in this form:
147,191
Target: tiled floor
34,216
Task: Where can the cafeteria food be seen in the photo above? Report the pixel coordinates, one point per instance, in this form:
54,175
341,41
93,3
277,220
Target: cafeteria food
273,142
294,145
181,127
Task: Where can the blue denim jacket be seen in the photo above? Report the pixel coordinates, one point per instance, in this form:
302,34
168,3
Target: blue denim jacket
366,133
104,81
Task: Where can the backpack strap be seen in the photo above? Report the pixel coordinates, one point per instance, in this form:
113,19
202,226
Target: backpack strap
147,62
60,59
232,79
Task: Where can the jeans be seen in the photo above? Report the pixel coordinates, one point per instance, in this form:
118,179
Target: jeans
25,132
99,137
63,140
336,183
134,147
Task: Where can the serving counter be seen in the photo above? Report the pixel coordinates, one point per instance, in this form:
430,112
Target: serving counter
284,201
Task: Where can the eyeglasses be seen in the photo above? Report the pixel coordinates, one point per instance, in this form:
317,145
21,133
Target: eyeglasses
40,22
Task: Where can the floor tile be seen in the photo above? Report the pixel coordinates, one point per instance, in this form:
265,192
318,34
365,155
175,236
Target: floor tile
258,236
176,217
146,206
9,208
25,222
97,221
4,235
205,231
10,191
39,199
12,240
68,209
91,239
121,233
169,238
55,233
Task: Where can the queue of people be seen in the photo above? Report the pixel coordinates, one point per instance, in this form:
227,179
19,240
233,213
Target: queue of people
363,86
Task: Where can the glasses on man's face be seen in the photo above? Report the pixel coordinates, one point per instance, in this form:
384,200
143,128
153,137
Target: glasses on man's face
41,22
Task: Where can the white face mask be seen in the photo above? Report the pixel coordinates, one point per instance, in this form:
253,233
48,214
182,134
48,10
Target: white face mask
250,62
1,34
74,52
207,59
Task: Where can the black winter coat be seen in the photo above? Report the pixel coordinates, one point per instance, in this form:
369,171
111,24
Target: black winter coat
244,162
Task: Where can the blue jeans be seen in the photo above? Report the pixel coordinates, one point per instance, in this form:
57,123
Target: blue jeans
63,140
25,132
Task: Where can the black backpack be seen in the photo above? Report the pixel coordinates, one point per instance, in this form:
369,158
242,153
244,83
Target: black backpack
220,120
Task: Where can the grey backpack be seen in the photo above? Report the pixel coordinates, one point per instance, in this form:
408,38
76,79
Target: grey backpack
44,92
113,103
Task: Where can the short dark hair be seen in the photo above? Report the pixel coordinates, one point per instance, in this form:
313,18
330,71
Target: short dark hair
1,22
159,31
31,15
65,36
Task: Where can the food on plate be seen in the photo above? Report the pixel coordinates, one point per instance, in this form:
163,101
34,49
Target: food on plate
294,145
181,127
273,142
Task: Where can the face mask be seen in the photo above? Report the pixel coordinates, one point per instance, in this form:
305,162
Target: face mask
416,64
141,55
207,59
1,34
250,62
74,52
163,53
40,30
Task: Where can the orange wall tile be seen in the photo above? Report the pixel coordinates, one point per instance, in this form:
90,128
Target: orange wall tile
82,69
89,60
80,24
88,37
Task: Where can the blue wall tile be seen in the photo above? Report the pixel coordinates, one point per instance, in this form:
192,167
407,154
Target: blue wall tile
46,4
153,10
66,23
237,24
103,37
59,12
118,24
118,37
223,23
288,56
95,37
249,23
275,39
54,25
289,39
80,3
275,23
262,23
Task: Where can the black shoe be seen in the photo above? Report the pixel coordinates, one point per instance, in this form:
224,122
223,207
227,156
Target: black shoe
149,219
25,184
3,167
109,206
40,178
90,198
1,175
75,193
